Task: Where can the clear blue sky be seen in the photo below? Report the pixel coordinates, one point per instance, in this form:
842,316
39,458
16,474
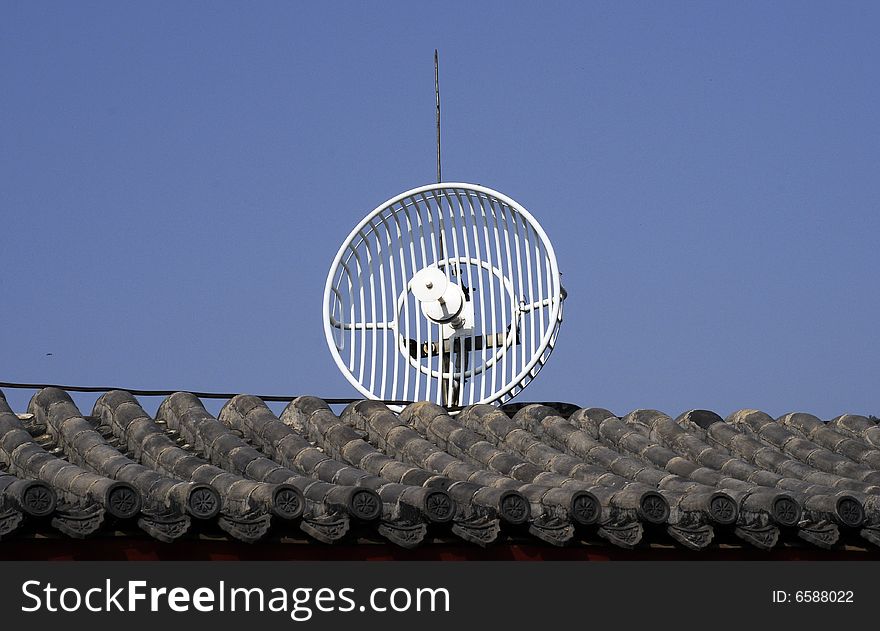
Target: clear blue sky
177,176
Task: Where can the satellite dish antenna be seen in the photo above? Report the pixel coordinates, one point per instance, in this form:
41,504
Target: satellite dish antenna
448,293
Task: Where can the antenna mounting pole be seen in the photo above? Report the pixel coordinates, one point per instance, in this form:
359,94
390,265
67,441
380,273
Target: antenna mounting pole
437,101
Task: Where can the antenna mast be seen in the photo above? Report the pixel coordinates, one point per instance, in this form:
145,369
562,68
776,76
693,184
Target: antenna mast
437,100
456,319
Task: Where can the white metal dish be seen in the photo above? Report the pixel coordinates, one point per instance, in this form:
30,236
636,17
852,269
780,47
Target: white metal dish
448,293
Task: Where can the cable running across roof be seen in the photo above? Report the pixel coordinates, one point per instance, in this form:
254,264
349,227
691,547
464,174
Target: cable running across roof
165,393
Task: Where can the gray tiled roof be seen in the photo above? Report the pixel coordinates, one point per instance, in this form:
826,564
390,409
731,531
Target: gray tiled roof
555,473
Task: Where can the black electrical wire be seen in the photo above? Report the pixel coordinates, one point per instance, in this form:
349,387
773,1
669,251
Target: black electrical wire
165,393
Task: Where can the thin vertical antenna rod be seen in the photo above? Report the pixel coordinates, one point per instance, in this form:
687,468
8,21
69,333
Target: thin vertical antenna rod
445,364
437,99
